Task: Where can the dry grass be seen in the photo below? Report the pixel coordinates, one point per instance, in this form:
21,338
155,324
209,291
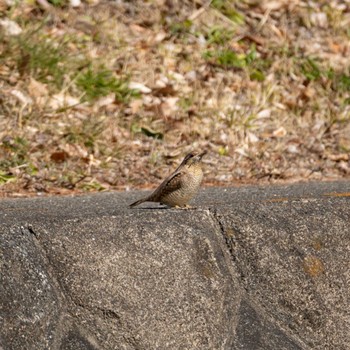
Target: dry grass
109,96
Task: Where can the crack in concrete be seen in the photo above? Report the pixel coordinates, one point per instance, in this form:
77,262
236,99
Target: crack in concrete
65,295
57,288
228,237
216,216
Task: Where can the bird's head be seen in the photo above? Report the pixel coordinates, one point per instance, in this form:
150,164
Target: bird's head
193,158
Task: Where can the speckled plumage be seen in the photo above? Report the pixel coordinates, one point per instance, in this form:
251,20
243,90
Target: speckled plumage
181,186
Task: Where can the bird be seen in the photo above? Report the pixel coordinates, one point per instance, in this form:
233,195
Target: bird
179,187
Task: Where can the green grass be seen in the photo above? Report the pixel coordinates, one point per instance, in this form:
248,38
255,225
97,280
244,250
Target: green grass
257,75
218,35
15,154
42,57
92,186
313,70
227,8
93,52
185,103
310,69
344,81
46,59
17,150
99,82
178,28
59,3
228,59
34,54
85,133
225,58
6,177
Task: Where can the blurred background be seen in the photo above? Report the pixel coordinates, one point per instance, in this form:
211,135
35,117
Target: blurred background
111,95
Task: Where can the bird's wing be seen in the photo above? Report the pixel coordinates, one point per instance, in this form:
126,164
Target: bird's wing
170,184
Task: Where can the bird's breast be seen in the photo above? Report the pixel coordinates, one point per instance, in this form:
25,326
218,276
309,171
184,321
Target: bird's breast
190,183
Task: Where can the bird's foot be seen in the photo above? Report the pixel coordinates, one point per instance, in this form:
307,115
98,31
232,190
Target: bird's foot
185,207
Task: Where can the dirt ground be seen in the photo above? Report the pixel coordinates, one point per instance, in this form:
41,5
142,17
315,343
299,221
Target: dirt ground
111,95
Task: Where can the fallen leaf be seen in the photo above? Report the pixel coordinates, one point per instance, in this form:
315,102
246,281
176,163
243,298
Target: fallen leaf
293,149
135,106
338,157
265,113
75,3
344,166
169,106
59,156
62,100
160,36
242,151
10,28
21,97
38,91
139,87
167,90
280,132
252,138
319,19
105,101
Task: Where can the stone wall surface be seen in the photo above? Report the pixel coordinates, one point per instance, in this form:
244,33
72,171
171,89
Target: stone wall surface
248,268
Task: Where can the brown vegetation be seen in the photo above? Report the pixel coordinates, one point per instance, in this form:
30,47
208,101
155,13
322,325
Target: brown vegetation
110,95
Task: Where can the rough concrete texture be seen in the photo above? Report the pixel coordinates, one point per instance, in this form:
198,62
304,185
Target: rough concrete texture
250,268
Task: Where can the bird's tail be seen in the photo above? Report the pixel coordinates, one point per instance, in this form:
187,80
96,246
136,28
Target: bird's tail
138,202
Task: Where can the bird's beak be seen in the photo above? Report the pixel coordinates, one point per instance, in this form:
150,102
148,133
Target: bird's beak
201,155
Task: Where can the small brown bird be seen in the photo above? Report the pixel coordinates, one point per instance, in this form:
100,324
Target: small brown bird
181,186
